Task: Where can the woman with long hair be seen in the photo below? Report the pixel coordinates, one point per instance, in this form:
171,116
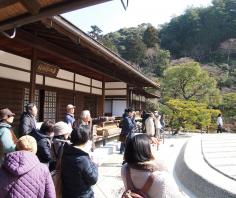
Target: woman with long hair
140,164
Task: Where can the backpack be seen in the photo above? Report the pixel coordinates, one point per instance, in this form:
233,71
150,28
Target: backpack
133,192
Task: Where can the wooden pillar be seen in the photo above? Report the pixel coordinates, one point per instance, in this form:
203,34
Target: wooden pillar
140,105
127,96
33,76
74,92
103,96
131,99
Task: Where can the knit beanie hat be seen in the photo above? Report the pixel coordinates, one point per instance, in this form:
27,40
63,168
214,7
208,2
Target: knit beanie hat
61,128
27,143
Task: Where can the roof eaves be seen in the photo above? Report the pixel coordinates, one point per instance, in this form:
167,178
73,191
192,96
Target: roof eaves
82,35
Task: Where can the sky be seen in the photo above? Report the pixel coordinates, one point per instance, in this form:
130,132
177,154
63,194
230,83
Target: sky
111,16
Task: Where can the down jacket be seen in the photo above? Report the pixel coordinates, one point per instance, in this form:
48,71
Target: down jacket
27,124
44,146
22,175
79,173
7,144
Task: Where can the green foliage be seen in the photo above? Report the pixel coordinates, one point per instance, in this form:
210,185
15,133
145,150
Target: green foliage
150,37
190,114
156,61
164,109
135,49
229,104
140,45
95,33
189,82
151,106
107,42
199,31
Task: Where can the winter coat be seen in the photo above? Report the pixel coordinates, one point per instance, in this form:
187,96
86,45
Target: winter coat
7,144
44,146
79,173
128,125
22,175
163,186
69,119
27,124
150,126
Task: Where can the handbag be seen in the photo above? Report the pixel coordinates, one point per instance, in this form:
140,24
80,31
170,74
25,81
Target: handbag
56,174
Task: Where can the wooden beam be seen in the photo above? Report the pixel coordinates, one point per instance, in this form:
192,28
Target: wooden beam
6,3
59,8
33,76
43,45
32,6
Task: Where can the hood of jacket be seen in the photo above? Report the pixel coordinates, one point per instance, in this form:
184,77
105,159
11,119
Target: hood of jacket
3,124
20,162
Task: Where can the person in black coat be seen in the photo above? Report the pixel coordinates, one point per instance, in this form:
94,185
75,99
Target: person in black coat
44,141
78,171
27,120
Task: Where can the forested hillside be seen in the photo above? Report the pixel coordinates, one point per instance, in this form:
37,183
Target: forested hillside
207,35
202,41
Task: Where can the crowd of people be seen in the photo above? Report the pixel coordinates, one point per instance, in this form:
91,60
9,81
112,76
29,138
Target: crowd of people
29,164
153,125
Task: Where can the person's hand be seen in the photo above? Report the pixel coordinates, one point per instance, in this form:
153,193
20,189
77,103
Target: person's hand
94,158
155,140
88,146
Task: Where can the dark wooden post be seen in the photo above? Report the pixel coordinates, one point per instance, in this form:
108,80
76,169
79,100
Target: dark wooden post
127,96
33,76
74,92
103,95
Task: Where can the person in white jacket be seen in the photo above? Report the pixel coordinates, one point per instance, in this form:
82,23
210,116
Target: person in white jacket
141,163
219,123
158,126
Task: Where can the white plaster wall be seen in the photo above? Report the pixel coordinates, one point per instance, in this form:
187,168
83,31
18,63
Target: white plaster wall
107,106
39,79
96,91
118,107
82,88
96,83
115,92
14,60
14,74
82,79
65,74
109,85
58,83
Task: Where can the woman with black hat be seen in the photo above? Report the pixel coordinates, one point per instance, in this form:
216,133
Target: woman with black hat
7,136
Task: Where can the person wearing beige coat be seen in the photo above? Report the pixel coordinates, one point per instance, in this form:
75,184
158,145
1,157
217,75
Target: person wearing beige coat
150,126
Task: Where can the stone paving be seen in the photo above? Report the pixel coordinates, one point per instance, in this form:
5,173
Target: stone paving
110,184
219,151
